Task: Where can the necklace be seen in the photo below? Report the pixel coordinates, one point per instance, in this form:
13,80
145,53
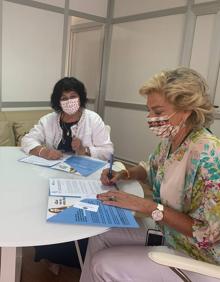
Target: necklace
172,150
66,127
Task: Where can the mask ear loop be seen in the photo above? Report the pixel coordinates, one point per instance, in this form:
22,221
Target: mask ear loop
179,126
171,115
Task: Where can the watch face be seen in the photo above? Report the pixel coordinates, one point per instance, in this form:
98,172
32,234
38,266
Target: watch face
157,215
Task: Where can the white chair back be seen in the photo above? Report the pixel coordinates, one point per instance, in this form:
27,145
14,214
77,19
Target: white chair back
108,128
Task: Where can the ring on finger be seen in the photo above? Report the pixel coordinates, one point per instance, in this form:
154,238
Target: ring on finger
112,198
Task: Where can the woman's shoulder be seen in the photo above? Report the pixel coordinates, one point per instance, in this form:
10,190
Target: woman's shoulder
49,116
204,135
91,115
204,141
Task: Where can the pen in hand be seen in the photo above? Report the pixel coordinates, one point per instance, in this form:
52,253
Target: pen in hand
110,167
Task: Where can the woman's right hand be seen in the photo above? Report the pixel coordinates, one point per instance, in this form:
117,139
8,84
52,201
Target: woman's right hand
50,154
116,175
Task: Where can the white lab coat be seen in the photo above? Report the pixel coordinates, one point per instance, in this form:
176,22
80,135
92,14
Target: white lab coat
90,129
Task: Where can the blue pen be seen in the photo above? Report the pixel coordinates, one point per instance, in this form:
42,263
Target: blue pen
110,166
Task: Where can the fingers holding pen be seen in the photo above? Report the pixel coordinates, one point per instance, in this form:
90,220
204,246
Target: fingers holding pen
51,154
115,176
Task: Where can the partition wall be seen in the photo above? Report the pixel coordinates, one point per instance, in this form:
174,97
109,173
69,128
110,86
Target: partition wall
114,48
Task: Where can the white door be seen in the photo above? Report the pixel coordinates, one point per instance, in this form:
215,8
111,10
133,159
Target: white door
86,46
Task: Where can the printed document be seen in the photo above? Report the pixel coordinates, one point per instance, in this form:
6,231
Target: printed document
68,210
73,201
75,187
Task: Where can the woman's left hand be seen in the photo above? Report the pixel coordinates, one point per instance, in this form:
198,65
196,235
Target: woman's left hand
127,201
77,146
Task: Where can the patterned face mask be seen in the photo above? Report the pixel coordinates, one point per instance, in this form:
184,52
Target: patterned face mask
161,126
70,106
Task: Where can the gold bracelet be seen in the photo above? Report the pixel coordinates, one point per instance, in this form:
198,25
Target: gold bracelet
41,149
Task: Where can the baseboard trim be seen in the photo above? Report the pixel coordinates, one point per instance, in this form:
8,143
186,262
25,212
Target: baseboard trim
125,161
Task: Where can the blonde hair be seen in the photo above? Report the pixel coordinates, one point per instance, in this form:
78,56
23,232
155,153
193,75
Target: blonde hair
185,89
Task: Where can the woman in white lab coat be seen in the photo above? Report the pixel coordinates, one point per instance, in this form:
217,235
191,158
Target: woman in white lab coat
70,128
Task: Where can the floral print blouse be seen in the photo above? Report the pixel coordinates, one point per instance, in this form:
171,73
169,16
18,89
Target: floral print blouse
188,180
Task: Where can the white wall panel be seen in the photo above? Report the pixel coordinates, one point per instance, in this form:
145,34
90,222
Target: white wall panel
202,44
132,138
217,94
32,47
139,50
94,7
90,107
131,7
216,128
202,1
58,3
86,59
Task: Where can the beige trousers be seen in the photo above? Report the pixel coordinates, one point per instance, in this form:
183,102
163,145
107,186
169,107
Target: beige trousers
119,255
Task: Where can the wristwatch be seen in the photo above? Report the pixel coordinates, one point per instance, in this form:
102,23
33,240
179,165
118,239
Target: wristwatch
157,214
87,151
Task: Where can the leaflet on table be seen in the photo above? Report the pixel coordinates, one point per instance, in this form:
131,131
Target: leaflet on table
72,210
85,165
75,187
40,161
74,201
74,164
64,167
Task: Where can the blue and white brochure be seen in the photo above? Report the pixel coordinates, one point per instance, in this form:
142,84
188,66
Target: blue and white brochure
73,201
84,165
68,212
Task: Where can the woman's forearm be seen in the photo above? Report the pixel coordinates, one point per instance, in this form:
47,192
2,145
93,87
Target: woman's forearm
137,173
179,221
174,219
37,150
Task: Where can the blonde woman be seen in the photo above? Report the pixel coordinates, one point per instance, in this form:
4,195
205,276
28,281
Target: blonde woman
184,176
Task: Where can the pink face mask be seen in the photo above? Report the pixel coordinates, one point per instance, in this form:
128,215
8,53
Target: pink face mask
161,126
70,106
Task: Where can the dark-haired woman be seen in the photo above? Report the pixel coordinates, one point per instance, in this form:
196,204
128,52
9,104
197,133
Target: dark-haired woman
70,128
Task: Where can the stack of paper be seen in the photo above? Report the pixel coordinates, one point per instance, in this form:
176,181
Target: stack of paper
74,201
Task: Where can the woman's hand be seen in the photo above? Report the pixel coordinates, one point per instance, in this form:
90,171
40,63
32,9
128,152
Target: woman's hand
51,154
128,201
115,177
78,147
46,153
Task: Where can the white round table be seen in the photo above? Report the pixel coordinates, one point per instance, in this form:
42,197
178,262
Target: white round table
24,194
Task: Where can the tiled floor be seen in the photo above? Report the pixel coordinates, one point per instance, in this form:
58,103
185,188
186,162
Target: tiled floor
39,272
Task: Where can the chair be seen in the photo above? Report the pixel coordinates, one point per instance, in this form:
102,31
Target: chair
108,128
177,263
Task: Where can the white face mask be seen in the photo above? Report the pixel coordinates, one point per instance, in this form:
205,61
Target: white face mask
161,126
70,106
